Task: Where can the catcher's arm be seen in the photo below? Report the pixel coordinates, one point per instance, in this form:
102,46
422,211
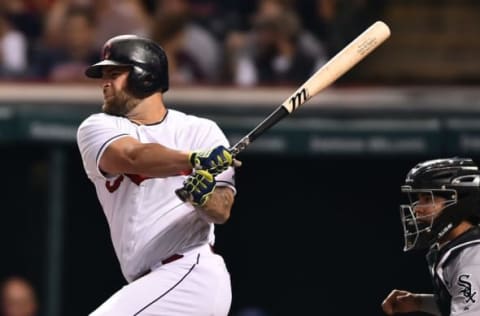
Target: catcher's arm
400,301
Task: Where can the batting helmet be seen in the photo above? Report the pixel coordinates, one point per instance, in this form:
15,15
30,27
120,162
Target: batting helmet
457,180
147,60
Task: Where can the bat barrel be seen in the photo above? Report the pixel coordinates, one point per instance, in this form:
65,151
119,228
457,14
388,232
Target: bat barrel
339,64
344,60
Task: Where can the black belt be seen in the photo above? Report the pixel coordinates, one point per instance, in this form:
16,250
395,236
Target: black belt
177,256
172,258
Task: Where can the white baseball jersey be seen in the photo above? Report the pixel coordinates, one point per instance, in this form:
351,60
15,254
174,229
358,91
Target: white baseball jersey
455,269
147,221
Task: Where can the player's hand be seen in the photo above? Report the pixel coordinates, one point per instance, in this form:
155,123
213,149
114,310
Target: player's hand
399,301
200,186
214,161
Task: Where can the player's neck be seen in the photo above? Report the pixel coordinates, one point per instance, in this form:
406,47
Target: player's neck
150,110
457,231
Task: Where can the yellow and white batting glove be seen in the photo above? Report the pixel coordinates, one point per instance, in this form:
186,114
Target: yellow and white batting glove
200,185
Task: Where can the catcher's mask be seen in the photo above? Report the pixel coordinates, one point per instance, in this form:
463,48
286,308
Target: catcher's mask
147,61
426,218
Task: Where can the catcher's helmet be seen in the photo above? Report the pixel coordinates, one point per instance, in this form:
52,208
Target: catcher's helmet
147,60
457,180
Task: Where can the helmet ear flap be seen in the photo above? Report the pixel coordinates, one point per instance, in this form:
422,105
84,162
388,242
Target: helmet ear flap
141,83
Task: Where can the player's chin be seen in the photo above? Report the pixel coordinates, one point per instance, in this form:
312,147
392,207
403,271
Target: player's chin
108,98
109,108
109,103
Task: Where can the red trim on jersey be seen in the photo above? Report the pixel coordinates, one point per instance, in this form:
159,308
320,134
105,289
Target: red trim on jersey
186,172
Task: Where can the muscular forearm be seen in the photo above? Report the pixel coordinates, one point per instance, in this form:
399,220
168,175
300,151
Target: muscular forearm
152,160
401,301
218,207
155,160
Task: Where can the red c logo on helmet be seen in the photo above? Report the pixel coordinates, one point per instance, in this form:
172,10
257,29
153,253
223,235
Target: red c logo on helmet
106,51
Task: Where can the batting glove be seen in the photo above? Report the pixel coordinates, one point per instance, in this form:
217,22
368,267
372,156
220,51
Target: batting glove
214,161
200,186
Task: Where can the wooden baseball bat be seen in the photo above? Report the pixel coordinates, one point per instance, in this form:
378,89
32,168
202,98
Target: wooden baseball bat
338,65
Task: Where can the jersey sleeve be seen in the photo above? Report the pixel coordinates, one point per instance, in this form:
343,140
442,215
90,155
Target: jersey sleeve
465,291
93,137
209,137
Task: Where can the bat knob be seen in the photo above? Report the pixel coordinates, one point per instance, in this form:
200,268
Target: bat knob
182,194
237,163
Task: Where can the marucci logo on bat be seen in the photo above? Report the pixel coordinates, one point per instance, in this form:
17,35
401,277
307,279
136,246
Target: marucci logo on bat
299,98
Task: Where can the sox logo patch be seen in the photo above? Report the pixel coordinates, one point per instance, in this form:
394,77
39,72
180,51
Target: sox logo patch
466,290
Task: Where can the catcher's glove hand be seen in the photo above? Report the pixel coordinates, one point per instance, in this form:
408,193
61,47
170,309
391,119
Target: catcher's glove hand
214,161
200,186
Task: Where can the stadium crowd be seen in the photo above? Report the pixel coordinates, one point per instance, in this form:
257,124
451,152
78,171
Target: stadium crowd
207,41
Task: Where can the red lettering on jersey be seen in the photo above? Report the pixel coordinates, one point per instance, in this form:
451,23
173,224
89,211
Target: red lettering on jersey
116,183
136,178
186,172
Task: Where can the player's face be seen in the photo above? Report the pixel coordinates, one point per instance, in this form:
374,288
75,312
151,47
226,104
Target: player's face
428,207
117,101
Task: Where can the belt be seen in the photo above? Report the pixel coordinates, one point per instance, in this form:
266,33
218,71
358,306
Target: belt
172,258
177,256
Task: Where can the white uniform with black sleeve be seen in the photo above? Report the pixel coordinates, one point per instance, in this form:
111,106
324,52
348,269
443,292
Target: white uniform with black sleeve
455,270
150,224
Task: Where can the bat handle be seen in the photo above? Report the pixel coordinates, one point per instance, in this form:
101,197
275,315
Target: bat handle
182,194
240,146
235,150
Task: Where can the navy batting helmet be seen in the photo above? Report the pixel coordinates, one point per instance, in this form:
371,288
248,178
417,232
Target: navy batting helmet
147,60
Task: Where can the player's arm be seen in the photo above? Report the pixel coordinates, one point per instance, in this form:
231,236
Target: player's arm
399,301
214,202
217,208
128,155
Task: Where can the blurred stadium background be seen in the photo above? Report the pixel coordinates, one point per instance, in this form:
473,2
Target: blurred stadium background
333,244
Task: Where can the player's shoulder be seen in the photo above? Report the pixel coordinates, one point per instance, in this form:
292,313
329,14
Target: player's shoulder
100,122
190,119
471,253
465,255
98,118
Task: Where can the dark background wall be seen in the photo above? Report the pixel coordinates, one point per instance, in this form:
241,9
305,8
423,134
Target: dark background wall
308,235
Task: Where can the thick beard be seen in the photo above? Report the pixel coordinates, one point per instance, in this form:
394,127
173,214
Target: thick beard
120,104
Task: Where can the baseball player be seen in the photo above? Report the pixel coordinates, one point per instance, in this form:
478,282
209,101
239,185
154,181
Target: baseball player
443,214
137,153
